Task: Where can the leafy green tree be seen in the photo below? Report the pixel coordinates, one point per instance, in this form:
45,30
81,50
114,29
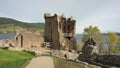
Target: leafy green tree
118,46
112,41
113,49
93,32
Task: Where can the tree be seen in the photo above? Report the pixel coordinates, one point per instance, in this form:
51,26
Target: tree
118,45
112,42
93,32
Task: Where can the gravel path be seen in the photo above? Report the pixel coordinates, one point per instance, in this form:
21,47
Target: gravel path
41,62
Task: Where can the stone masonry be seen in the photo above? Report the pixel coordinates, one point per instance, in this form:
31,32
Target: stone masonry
59,32
89,51
90,54
28,40
23,40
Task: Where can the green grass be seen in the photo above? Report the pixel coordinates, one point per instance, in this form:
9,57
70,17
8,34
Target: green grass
60,63
13,59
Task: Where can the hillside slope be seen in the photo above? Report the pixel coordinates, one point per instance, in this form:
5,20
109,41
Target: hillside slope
8,25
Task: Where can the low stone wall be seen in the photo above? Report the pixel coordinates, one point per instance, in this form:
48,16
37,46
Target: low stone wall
109,59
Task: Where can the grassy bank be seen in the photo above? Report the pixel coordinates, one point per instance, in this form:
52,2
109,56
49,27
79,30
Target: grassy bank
60,63
13,59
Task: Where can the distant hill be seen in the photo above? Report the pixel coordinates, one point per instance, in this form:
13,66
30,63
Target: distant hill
8,25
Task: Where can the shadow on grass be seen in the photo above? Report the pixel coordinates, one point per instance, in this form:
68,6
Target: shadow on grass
61,63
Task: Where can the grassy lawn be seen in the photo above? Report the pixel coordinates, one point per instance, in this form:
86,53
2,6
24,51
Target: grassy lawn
60,63
14,59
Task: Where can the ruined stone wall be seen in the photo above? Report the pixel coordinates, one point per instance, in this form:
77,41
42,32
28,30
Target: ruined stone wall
27,40
109,59
60,32
89,50
4,43
23,39
51,31
67,33
1,43
90,54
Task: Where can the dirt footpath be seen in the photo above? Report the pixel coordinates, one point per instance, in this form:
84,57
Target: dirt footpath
41,62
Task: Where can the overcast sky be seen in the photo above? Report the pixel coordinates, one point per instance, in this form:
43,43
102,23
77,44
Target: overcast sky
105,14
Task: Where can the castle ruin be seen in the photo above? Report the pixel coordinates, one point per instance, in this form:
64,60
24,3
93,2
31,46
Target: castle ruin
28,39
60,32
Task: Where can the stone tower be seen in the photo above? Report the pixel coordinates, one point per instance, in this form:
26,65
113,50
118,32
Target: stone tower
60,32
